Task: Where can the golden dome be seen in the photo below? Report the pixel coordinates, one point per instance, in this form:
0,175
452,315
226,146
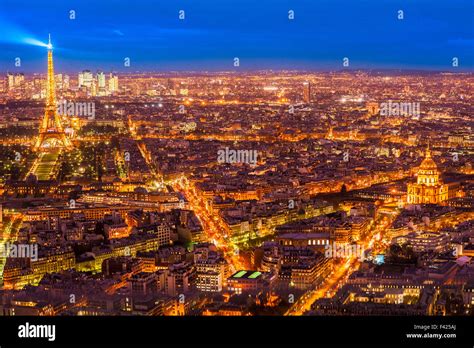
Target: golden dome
428,163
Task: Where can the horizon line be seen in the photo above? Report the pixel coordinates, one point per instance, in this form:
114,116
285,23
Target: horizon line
242,71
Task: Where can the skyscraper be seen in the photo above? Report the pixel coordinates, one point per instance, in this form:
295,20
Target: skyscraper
66,82
85,79
100,79
14,80
11,81
59,81
19,79
113,83
306,92
101,90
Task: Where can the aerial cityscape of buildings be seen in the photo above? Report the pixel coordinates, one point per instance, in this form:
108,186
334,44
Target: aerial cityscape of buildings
236,194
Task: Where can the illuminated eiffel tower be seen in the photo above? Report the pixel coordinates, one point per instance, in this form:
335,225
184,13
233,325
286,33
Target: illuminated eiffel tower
51,134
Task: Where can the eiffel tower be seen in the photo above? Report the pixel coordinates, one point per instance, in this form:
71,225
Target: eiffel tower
51,134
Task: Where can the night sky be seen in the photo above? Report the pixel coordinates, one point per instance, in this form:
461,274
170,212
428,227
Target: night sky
258,32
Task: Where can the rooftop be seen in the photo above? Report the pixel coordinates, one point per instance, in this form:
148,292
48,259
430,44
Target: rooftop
246,275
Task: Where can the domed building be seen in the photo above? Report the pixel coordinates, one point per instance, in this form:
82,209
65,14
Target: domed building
428,189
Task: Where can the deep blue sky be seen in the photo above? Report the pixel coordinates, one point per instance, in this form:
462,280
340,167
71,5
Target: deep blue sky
257,31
